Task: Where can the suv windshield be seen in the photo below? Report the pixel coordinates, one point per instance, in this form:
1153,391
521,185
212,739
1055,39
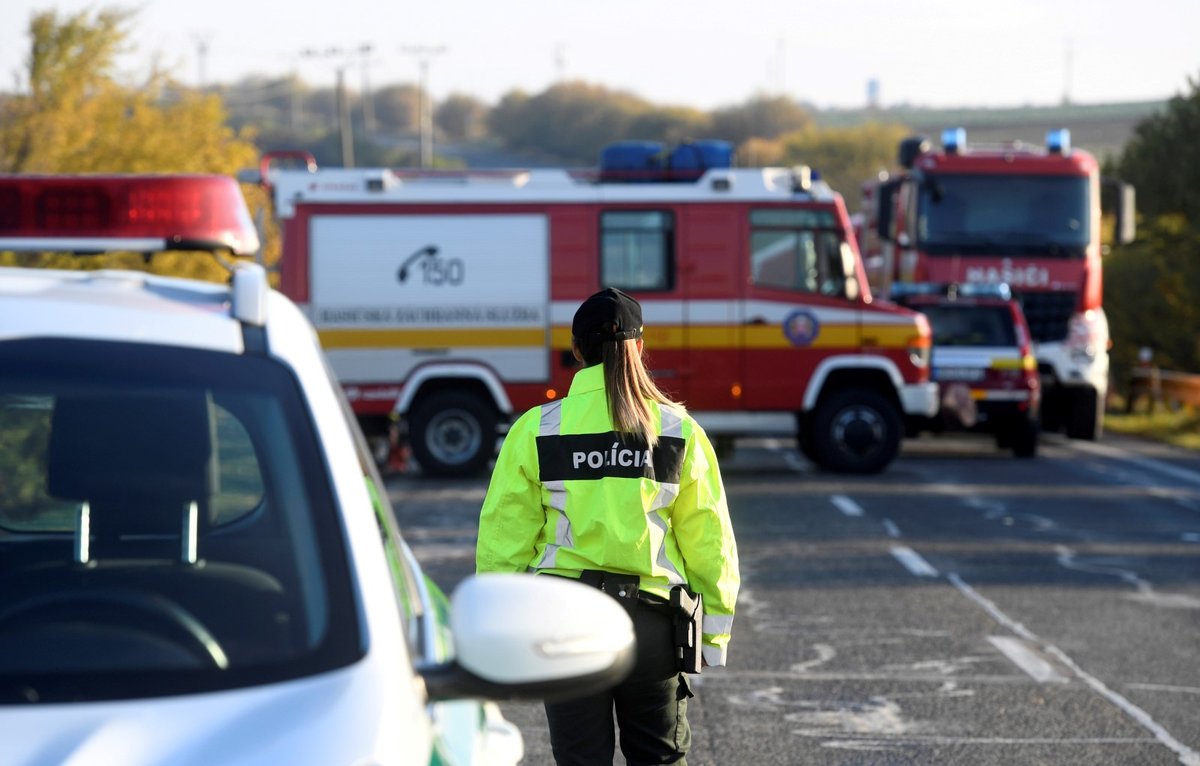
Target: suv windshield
166,525
968,325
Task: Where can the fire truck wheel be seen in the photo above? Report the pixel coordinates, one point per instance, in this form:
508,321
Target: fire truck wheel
856,431
804,443
453,434
1085,415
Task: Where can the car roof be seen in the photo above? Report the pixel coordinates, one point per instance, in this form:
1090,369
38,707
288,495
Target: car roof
117,306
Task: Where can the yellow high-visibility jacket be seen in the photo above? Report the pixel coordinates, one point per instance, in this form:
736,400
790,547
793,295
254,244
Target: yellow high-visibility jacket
569,494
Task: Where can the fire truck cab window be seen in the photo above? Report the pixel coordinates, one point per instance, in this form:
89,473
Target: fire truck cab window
1005,215
637,249
798,250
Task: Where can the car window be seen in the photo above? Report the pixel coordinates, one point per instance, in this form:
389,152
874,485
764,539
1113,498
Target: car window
175,498
968,325
409,585
26,504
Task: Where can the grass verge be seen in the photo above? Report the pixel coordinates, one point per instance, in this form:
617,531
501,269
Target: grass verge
1180,427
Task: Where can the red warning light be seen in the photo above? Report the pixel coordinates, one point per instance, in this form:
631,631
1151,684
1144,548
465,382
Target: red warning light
144,212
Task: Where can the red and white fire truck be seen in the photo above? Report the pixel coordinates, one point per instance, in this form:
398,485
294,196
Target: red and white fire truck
1016,214
445,299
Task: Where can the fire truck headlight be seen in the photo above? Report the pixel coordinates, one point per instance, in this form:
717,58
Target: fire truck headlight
919,352
1086,333
1083,354
920,346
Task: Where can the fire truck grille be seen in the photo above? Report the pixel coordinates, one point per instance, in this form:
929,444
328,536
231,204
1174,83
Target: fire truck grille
1048,314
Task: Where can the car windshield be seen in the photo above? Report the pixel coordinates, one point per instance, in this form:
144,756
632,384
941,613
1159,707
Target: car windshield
967,325
1003,215
166,525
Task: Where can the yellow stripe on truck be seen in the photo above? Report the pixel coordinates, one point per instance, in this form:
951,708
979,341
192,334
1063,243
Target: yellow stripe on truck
662,336
492,337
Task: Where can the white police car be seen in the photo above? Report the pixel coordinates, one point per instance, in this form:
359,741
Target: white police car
198,562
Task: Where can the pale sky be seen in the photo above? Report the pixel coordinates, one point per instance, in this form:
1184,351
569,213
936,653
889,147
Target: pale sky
701,53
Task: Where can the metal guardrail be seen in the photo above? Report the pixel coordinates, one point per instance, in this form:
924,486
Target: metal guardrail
1163,387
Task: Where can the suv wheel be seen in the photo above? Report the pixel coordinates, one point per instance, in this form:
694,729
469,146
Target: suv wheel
1023,438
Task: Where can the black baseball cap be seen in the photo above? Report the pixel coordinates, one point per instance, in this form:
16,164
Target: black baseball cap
608,315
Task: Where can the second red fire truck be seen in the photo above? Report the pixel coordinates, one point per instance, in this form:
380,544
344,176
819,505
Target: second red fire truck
1021,215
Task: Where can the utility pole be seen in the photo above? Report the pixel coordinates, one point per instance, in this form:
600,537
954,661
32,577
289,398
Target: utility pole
368,104
560,62
1067,66
201,58
345,126
423,54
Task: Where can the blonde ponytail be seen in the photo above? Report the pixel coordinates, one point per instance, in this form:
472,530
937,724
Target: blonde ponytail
630,389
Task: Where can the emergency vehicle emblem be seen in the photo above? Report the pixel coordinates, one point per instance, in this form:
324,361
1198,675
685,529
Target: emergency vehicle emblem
801,327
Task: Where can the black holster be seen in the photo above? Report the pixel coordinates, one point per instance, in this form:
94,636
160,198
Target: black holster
687,608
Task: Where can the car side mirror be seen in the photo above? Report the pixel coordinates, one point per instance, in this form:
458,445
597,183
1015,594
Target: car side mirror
519,636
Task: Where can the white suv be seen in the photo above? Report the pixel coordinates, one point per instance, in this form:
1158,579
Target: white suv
198,561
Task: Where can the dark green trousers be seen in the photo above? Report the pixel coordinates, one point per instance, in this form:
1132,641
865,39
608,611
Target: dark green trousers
650,707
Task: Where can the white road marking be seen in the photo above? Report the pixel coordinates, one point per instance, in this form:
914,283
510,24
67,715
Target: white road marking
869,742
1027,659
825,653
992,509
846,505
1187,756
890,527
913,562
1190,537
1041,523
793,460
1145,591
1149,464
1165,688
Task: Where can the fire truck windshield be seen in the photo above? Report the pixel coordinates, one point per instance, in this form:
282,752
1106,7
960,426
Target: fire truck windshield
1040,216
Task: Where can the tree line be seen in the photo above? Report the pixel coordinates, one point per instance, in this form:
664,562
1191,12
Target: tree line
78,116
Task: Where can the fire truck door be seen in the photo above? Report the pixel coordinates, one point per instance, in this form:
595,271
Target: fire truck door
640,249
710,240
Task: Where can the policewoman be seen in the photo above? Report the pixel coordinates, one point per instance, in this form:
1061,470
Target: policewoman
617,486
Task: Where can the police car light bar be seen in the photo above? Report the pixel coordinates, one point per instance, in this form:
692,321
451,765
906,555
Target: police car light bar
899,290
902,290
138,213
999,290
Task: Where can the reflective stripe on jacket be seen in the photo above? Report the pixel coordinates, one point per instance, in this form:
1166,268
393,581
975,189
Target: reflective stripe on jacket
568,493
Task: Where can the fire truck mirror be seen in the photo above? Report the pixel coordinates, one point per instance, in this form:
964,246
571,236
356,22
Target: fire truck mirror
1126,214
886,203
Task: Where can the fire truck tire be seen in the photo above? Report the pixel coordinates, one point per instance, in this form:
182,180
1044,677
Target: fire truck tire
804,443
452,434
856,431
1085,415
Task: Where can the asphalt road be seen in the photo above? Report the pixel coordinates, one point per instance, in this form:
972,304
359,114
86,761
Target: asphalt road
963,607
